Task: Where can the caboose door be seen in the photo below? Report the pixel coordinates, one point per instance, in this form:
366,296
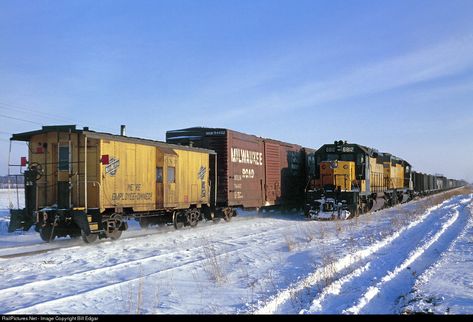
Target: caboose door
170,178
166,178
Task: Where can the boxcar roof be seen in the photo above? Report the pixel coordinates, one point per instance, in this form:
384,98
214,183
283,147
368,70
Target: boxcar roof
26,136
199,131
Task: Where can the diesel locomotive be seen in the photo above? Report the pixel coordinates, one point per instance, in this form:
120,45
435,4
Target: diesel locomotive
351,179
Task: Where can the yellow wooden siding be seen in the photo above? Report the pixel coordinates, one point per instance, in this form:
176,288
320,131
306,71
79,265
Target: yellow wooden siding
192,189
128,181
93,174
48,158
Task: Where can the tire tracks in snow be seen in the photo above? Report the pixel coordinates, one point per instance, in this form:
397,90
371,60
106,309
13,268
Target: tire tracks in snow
381,289
415,255
418,298
30,248
355,262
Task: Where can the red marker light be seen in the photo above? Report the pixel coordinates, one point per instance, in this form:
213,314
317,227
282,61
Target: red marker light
104,159
23,161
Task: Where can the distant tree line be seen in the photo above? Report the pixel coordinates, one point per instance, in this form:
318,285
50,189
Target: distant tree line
10,181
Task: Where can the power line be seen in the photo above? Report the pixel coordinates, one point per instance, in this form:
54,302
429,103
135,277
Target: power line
19,119
24,109
14,107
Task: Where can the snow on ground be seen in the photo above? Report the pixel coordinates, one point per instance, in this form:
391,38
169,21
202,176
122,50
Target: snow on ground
9,198
414,257
447,287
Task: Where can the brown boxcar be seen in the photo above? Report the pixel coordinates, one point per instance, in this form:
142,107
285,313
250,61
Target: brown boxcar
252,171
240,163
283,173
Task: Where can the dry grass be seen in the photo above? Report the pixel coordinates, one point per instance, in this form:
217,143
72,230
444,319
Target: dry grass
328,269
133,295
214,263
290,242
307,232
338,227
322,231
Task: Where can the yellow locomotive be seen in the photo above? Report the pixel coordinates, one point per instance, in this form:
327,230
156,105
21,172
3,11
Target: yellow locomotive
351,179
85,183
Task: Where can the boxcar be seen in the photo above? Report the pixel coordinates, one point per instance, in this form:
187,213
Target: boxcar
253,172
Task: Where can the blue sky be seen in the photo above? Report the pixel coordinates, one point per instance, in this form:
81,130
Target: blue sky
393,75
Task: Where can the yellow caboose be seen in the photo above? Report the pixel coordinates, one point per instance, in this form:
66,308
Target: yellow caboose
82,182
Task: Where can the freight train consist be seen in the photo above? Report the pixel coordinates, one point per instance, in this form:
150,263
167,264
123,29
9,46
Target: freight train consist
80,182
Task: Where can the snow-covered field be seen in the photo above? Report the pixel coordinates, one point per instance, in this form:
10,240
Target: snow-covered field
414,257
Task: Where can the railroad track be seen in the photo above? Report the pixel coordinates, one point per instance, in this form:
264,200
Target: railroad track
106,278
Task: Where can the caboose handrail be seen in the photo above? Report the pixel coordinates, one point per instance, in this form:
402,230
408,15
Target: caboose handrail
100,189
85,174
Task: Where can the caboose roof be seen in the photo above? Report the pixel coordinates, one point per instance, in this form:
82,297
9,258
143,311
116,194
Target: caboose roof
26,136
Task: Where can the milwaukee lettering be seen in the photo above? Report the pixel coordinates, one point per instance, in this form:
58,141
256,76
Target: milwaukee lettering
245,156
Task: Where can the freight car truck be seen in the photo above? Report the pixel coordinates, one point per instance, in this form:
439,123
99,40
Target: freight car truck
87,183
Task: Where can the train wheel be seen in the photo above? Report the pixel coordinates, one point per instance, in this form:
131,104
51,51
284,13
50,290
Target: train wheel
214,217
227,214
89,238
178,219
144,223
115,234
193,216
112,226
46,234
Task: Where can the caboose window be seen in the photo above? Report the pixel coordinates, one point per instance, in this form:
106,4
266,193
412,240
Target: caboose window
171,175
159,175
63,158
